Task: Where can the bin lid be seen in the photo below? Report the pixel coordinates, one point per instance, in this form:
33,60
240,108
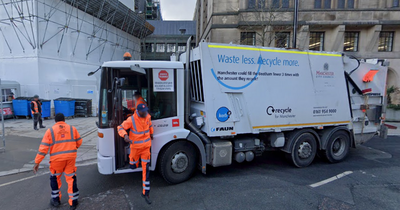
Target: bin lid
64,99
22,98
82,99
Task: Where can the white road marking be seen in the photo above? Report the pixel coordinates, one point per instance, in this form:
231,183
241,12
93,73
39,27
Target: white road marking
43,173
326,181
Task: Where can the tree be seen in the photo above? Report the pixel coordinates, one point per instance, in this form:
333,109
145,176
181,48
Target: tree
260,20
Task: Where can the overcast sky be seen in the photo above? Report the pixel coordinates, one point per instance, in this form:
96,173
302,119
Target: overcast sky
177,9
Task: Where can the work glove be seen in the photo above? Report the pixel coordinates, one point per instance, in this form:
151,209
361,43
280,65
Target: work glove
126,138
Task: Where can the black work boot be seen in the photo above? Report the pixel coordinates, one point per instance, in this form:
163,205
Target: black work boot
74,205
146,198
42,126
36,129
55,202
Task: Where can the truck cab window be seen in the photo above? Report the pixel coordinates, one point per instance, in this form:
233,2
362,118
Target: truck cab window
163,99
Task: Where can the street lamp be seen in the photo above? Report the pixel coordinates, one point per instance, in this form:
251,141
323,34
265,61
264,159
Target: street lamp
296,10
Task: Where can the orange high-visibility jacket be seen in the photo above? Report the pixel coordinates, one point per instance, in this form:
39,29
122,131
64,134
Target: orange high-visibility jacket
140,130
63,141
35,107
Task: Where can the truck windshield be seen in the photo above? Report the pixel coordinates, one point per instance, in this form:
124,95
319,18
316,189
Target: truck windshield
161,100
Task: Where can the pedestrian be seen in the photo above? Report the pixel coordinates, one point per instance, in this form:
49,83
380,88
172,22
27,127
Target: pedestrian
63,141
140,136
36,108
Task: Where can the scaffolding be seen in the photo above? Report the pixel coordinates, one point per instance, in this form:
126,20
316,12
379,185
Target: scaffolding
25,17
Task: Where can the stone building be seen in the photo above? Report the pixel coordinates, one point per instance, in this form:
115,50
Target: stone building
367,29
169,37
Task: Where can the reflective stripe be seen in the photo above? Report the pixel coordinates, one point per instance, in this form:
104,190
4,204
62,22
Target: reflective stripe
142,132
74,198
64,141
45,144
133,162
55,191
63,152
139,142
41,153
52,136
133,123
55,196
121,129
145,160
78,139
72,132
73,194
70,174
146,188
146,182
57,174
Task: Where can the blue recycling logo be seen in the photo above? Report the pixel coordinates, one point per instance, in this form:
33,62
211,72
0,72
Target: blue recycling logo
223,114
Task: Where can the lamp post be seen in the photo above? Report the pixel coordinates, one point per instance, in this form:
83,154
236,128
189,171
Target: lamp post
295,17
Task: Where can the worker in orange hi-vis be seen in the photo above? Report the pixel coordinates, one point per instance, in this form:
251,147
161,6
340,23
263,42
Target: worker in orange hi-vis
62,142
138,99
140,136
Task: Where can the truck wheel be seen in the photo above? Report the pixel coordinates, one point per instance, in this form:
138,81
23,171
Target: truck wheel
338,147
178,162
304,150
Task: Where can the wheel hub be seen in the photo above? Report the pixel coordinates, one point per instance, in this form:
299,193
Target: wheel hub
338,147
179,162
305,150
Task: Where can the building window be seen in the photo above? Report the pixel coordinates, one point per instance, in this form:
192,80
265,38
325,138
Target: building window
280,4
282,39
322,4
396,3
252,4
261,4
181,47
316,41
327,4
351,41
160,47
171,47
341,4
248,38
386,41
350,4
148,47
318,4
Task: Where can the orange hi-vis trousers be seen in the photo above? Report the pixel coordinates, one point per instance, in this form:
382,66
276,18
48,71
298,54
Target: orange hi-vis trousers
144,154
57,168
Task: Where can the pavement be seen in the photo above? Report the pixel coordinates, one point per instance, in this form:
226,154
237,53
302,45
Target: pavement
22,143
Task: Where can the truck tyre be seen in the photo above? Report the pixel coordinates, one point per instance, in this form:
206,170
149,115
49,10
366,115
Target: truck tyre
178,162
304,150
338,147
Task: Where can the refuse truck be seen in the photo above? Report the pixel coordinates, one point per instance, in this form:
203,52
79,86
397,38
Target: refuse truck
220,103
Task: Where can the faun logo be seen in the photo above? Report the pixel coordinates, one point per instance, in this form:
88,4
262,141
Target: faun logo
222,129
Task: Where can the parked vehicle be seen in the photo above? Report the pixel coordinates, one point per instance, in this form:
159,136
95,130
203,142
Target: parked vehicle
220,103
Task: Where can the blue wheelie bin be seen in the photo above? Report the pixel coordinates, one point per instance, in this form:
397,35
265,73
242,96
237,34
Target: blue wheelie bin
21,106
65,106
